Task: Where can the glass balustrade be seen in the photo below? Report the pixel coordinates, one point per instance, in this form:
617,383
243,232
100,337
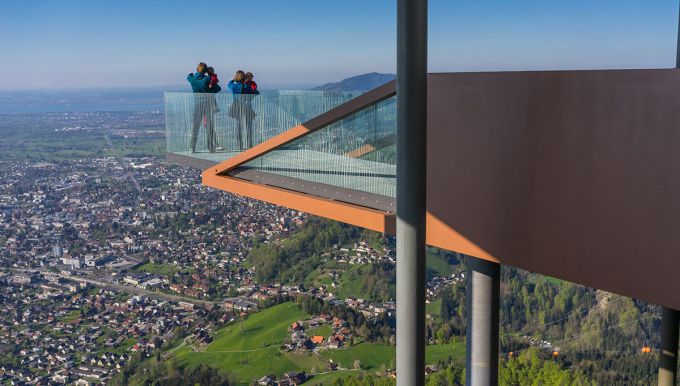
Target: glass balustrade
215,127
357,153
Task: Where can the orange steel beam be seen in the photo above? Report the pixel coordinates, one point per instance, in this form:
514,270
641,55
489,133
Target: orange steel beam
438,234
336,210
360,151
335,114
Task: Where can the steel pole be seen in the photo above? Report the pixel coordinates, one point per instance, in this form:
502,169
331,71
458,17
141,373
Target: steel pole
411,172
668,357
677,50
483,295
670,319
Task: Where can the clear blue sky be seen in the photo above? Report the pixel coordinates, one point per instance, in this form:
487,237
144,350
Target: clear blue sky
73,43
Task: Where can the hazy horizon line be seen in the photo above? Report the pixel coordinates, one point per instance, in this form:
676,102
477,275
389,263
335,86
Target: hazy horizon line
173,87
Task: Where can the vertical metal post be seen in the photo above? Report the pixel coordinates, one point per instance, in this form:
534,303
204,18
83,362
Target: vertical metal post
670,318
677,50
411,172
483,294
668,357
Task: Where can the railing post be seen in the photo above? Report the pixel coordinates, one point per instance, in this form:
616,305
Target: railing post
411,172
668,356
483,294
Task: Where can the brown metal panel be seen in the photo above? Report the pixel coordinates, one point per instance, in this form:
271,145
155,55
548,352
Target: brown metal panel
574,174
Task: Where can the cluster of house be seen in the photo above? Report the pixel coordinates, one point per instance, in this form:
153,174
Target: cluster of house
363,253
437,283
144,280
76,219
302,335
251,295
289,379
86,335
541,343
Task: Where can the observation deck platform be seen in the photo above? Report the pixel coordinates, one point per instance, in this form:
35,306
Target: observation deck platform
572,174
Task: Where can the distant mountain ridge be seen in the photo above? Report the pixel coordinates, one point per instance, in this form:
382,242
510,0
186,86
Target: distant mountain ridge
358,83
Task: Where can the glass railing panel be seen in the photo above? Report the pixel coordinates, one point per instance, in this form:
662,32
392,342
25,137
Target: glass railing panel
357,153
216,127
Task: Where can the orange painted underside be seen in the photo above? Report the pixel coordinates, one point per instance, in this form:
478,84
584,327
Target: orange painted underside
438,234
335,210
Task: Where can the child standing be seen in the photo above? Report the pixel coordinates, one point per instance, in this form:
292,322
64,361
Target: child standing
213,86
251,83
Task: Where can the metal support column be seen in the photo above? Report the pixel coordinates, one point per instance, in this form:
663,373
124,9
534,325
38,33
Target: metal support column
677,51
670,318
483,294
668,357
411,172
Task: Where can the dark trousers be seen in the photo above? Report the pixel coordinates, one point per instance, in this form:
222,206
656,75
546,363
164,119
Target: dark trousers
244,116
204,110
245,140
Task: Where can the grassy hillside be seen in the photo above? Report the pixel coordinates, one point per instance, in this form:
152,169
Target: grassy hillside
255,351
262,329
373,355
436,264
330,377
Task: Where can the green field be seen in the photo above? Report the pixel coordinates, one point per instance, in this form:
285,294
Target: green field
41,142
255,352
372,355
437,265
434,307
318,277
328,378
263,329
324,331
163,269
71,316
350,282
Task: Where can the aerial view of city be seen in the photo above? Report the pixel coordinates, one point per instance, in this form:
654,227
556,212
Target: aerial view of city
159,228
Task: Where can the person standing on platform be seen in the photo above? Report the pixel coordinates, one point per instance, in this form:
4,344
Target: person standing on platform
203,109
239,106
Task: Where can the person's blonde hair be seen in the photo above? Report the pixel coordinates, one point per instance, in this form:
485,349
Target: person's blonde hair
201,68
239,76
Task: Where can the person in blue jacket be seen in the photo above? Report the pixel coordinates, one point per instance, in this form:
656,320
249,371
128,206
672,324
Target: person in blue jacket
205,107
241,108
199,80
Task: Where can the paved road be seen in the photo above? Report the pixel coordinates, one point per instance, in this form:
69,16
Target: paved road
130,289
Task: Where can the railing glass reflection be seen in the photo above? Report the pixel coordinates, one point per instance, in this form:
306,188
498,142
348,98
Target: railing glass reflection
355,153
215,127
